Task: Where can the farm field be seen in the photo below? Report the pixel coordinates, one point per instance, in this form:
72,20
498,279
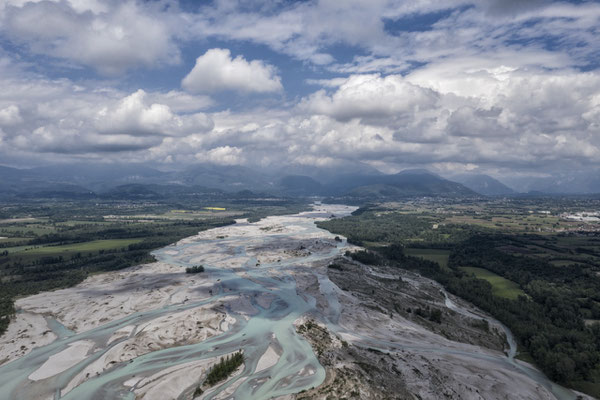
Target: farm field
501,287
91,246
510,223
439,256
173,215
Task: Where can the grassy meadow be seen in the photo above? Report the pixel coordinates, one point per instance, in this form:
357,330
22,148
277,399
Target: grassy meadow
501,287
439,256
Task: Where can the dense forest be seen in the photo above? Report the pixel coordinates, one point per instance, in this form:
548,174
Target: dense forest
551,322
372,228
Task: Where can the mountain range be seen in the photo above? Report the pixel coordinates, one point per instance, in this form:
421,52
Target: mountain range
354,181
484,184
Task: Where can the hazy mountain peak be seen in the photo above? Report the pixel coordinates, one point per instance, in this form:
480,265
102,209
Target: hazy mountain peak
484,184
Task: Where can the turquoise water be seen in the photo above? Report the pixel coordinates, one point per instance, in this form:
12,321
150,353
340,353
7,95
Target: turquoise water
297,369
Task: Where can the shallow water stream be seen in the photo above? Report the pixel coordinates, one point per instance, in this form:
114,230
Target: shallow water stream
297,368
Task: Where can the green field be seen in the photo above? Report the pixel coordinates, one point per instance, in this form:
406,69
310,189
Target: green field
501,287
179,215
17,249
86,247
10,240
439,256
94,245
27,230
83,223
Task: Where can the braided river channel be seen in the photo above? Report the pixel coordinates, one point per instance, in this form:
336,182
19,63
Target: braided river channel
247,299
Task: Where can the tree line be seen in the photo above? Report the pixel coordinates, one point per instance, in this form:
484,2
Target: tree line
26,274
548,323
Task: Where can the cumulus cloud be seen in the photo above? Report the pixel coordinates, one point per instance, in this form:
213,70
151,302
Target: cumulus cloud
371,97
10,116
179,101
110,38
55,139
216,71
469,121
489,84
526,119
42,116
512,117
224,155
134,115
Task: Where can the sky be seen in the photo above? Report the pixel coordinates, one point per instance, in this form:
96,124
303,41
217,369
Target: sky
504,87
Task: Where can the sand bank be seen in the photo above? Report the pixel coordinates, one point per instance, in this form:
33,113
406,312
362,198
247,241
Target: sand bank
64,360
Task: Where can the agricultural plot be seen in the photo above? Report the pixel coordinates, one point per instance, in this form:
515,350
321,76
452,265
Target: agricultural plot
87,247
26,229
510,222
8,241
82,223
439,256
501,287
176,215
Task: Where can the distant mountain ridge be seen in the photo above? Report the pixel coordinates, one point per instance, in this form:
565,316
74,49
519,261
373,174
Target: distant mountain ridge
483,184
354,181
581,182
408,183
300,185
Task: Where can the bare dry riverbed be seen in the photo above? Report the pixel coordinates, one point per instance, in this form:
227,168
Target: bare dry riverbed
153,331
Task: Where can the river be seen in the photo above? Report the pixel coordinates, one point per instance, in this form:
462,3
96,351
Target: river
239,271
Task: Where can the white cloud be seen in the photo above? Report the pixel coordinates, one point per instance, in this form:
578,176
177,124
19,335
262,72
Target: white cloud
442,114
42,116
10,116
180,101
224,155
469,121
303,30
110,39
497,85
134,115
500,116
116,36
371,64
371,97
215,71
